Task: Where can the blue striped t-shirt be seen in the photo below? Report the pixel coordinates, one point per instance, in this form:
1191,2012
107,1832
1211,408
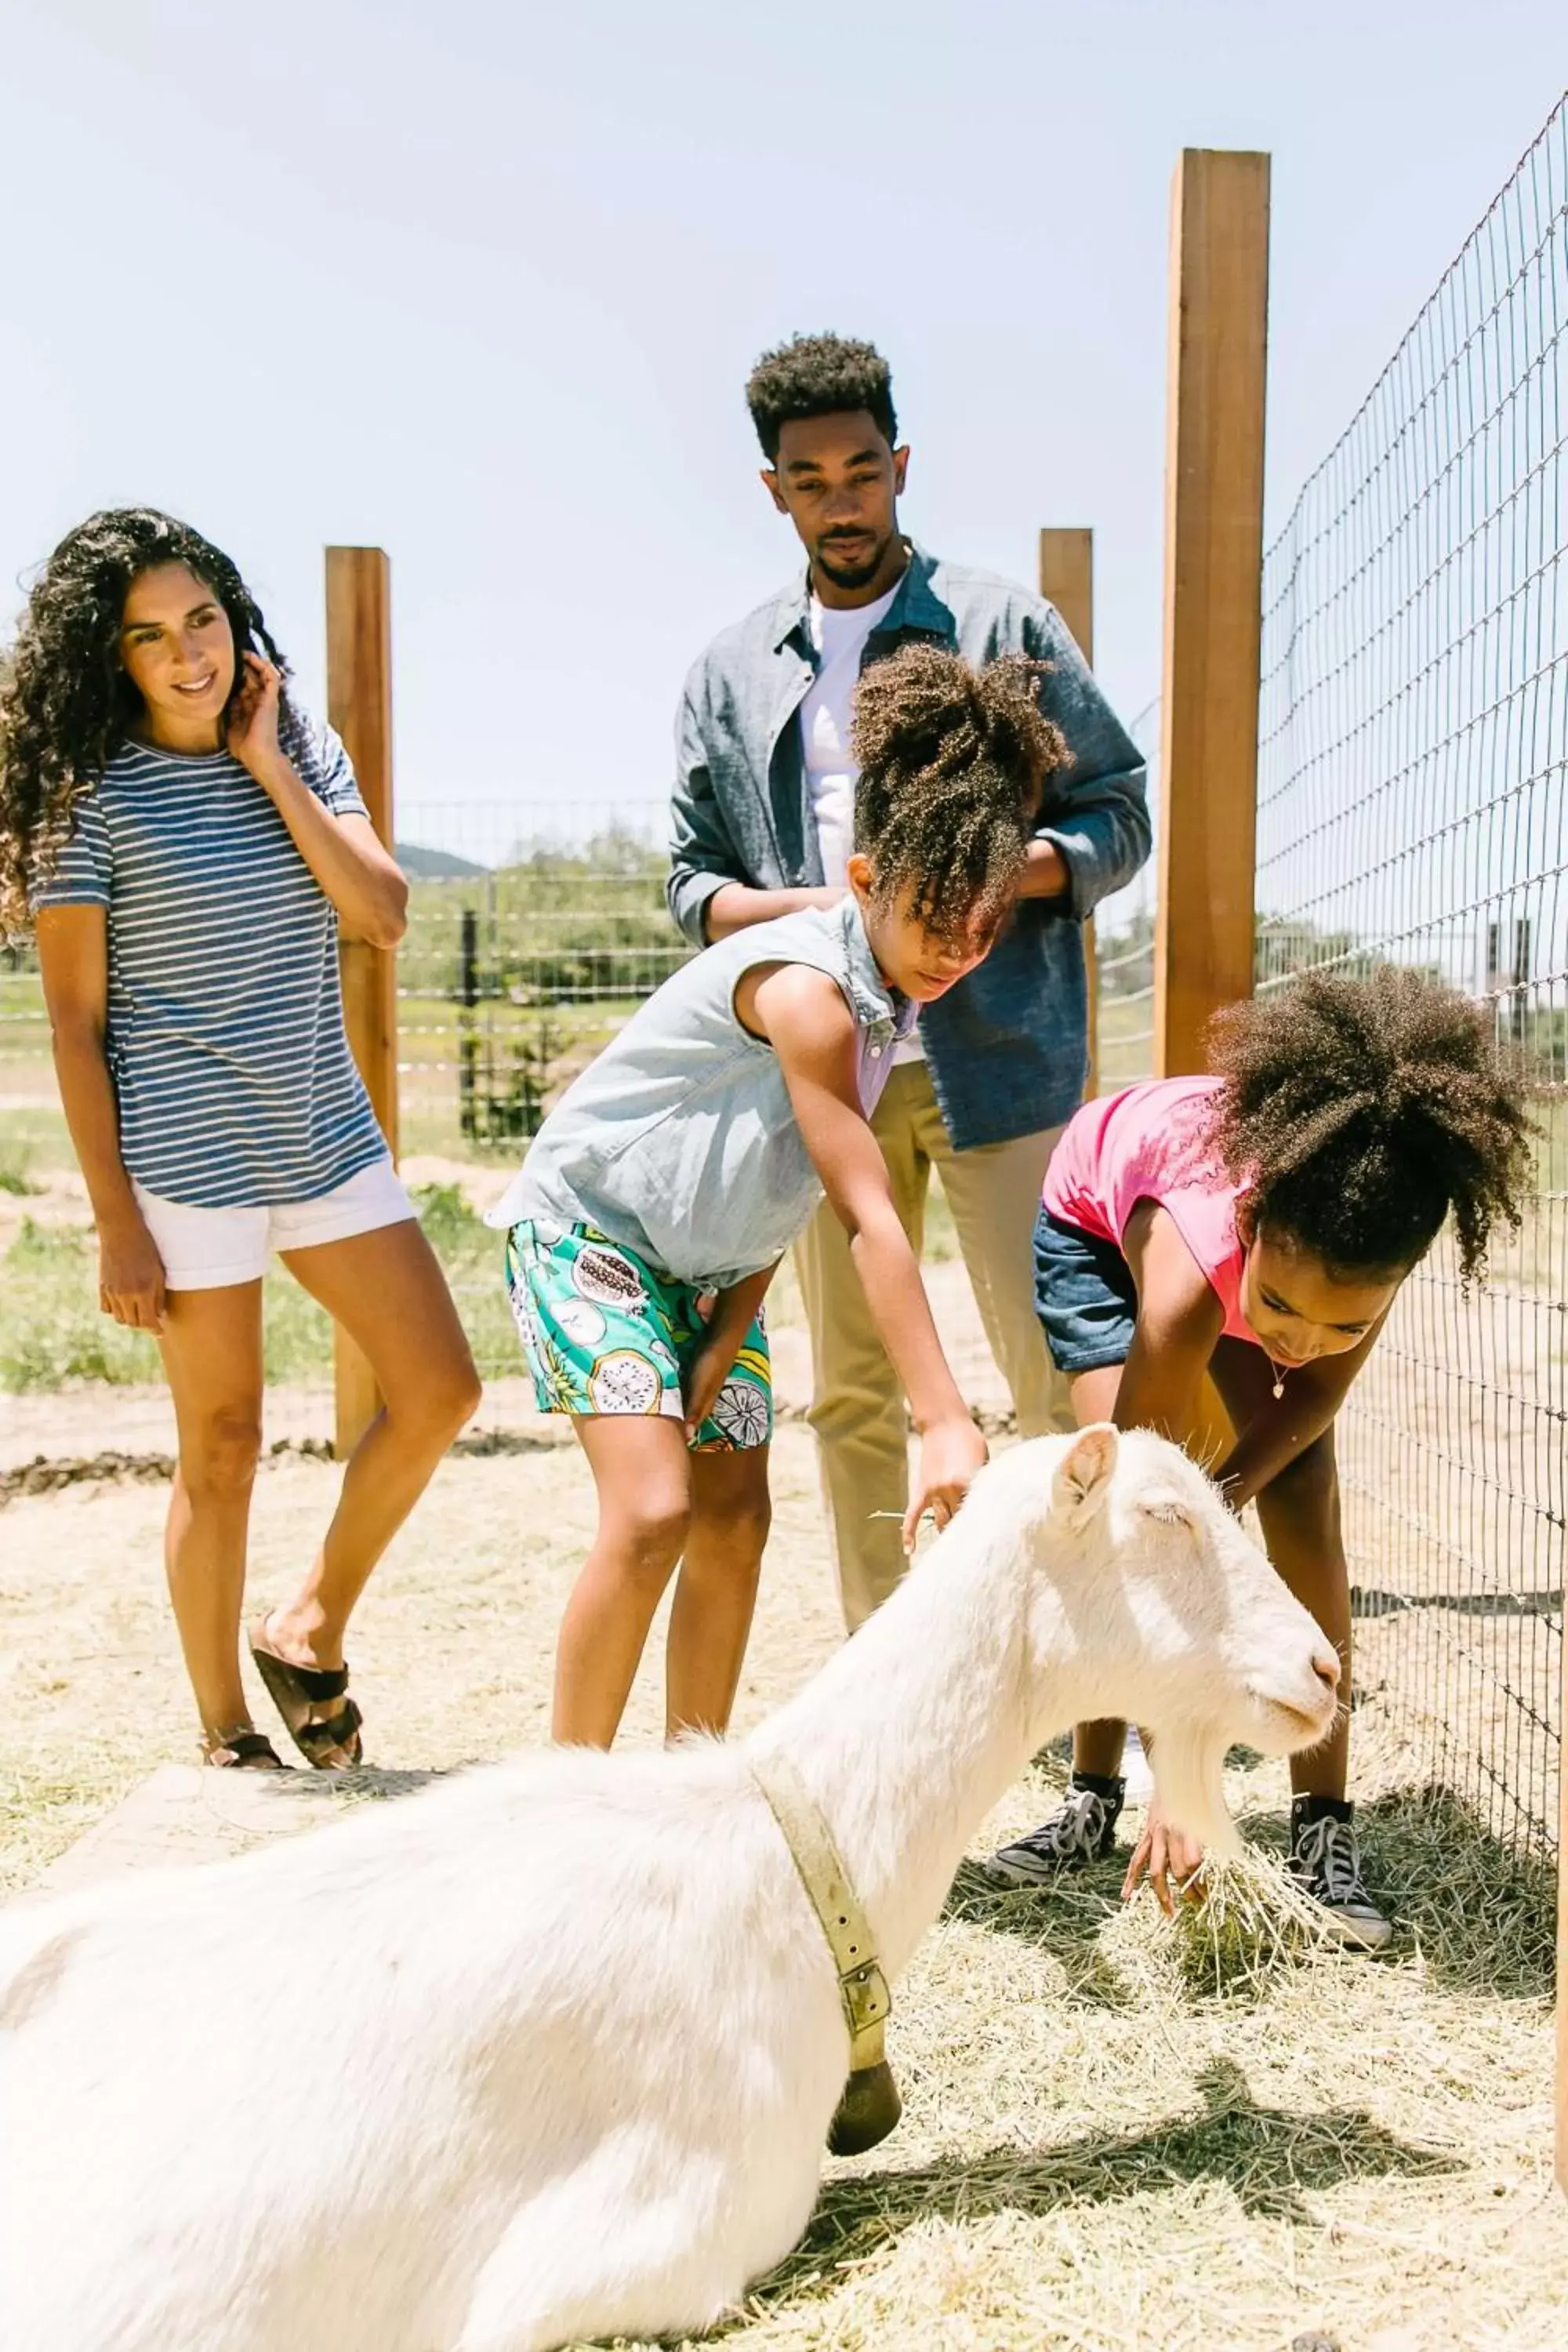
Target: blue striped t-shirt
225,1039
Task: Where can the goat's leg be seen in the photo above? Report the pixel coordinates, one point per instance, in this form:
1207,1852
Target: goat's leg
597,2263
655,2233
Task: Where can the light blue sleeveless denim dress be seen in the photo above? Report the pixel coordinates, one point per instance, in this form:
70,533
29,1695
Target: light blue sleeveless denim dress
680,1142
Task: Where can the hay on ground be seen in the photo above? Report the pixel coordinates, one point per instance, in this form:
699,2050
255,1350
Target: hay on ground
1111,2142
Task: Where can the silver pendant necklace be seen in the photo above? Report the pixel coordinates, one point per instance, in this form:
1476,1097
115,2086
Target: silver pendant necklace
1278,1371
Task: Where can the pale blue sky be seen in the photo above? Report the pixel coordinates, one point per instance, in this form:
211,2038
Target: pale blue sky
483,285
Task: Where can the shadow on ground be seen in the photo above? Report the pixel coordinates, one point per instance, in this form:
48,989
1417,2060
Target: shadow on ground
1482,1917
1272,2158
332,1791
1063,1920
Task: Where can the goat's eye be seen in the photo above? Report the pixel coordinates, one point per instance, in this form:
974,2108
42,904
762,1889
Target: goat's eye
1170,1514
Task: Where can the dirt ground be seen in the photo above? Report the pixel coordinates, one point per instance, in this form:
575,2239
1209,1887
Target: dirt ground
1093,2155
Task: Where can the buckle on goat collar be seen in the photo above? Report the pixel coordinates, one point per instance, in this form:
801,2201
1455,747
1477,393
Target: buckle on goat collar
867,2002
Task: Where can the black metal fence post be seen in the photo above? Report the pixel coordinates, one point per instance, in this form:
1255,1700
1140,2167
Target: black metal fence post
468,1026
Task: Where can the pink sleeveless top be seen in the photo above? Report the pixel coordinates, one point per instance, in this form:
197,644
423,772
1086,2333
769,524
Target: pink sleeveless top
1143,1145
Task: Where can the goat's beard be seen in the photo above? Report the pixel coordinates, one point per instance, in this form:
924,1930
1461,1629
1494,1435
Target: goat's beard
1189,1769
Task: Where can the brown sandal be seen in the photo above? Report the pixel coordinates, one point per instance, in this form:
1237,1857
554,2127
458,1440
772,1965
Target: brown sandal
331,1747
240,1747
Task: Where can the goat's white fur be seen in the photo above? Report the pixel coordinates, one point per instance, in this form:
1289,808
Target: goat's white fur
551,2050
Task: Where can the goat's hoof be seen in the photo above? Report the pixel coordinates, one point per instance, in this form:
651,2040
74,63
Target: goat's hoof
868,2111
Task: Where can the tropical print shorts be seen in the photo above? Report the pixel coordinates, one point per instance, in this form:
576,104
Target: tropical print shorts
604,1332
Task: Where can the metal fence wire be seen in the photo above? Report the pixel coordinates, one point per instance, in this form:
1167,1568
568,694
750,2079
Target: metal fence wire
534,930
1414,751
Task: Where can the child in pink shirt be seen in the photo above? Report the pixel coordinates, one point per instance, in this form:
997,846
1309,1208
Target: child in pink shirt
1147,1143
1256,1226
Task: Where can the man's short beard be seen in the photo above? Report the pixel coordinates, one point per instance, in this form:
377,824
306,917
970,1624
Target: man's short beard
851,576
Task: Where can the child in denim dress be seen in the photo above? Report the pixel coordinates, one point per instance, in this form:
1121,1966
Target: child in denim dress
664,1188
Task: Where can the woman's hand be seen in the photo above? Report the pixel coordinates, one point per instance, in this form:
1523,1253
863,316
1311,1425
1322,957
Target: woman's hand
1163,1855
131,1275
253,718
952,1452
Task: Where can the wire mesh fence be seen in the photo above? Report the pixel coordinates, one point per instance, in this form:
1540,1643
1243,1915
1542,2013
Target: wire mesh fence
1412,758
534,929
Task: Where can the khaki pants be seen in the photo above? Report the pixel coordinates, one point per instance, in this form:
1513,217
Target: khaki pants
857,1408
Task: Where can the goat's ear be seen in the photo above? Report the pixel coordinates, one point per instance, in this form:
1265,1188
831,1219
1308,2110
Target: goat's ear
1083,1476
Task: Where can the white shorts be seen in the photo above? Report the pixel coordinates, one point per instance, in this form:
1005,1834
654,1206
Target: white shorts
209,1249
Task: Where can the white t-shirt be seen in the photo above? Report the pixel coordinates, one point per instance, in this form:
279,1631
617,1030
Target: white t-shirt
839,638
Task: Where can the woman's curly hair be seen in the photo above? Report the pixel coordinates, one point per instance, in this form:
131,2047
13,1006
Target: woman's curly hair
1359,1112
952,762
66,701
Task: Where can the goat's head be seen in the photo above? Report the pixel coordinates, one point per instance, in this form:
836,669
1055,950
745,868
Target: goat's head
1169,1613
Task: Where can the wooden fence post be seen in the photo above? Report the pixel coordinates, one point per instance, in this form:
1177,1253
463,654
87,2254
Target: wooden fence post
1214,557
359,704
1066,581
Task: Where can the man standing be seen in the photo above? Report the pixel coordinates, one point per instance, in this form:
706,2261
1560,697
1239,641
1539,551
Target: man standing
762,823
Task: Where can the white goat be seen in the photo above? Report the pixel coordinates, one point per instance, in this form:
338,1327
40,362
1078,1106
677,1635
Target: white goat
551,2050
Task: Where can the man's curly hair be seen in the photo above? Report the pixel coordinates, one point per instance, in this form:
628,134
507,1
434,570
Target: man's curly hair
952,762
820,375
67,704
1359,1112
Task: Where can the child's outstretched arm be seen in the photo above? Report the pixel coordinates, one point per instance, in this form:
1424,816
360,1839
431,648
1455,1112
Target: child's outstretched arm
809,1026
1179,1320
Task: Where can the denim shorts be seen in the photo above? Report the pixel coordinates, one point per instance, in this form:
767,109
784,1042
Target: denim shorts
1084,1296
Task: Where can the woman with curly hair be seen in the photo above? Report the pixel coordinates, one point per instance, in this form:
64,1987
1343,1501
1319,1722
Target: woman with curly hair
190,849
670,1180
1257,1224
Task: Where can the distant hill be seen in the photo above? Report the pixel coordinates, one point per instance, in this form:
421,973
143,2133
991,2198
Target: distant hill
434,865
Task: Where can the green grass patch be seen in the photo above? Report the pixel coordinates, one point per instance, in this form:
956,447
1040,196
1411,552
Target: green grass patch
471,1259
15,1160
52,1331
36,1138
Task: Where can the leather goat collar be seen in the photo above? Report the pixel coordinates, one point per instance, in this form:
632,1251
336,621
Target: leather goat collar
870,2106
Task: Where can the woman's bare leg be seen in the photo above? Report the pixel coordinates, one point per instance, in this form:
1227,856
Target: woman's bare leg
211,1345
387,1290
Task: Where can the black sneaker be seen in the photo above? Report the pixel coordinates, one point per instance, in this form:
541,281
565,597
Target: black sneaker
1325,1863
1081,1830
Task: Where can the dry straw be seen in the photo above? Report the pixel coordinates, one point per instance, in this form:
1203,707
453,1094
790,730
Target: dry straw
1120,2135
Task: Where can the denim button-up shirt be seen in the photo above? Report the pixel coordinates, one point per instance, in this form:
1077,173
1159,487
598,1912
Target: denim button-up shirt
1007,1047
